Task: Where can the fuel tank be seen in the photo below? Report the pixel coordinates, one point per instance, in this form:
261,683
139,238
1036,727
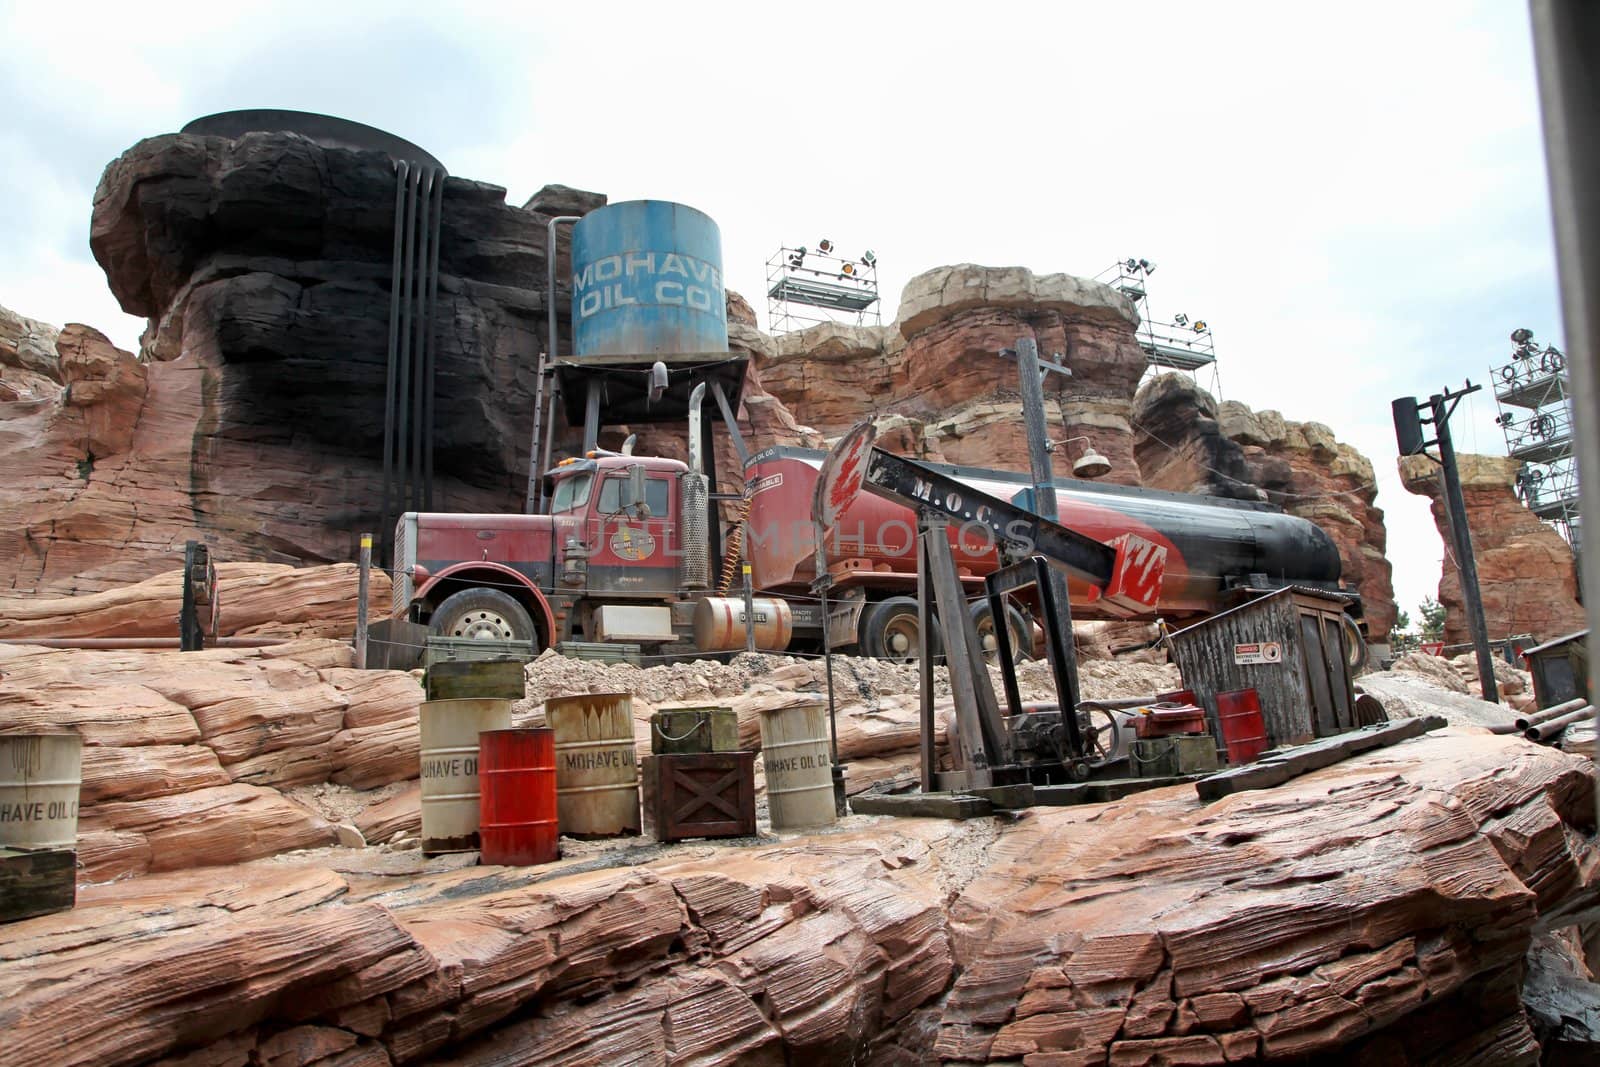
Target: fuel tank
1209,541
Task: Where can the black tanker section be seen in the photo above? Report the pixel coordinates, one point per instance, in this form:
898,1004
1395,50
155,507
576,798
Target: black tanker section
1225,544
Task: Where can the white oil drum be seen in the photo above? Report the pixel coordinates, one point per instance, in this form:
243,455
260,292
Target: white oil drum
39,778
597,764
450,730
719,623
794,756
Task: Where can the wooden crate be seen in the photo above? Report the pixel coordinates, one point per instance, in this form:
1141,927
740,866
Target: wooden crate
707,794
37,882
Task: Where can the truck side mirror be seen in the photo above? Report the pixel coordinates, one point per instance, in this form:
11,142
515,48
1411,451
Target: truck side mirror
633,488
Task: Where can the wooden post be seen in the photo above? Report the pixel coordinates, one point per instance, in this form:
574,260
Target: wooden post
361,601
929,761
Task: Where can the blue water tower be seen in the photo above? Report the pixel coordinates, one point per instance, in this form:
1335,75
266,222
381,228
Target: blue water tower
647,280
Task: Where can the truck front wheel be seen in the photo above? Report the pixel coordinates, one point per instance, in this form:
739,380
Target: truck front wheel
480,614
891,629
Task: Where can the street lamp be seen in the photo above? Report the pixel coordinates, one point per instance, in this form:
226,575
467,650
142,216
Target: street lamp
1089,465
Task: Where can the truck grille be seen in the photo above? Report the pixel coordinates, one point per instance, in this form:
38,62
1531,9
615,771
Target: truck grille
405,556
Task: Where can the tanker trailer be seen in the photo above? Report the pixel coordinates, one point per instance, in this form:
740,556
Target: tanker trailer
1219,552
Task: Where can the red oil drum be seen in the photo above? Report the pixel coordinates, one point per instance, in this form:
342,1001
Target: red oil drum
1243,729
517,797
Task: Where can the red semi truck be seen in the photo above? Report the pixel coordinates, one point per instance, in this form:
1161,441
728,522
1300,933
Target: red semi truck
624,556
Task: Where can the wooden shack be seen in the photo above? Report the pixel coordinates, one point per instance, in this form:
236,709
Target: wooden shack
1292,646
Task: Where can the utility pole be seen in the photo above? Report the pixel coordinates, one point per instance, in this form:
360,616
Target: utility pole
1031,371
1408,435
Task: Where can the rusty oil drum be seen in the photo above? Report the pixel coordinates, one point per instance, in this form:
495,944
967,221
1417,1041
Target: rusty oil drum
517,803
450,730
597,764
794,756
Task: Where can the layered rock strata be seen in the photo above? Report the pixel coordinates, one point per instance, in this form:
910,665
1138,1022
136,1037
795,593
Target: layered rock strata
1187,442
1526,575
1151,930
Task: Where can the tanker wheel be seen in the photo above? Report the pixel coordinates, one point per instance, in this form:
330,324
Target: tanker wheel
892,630
480,614
1021,633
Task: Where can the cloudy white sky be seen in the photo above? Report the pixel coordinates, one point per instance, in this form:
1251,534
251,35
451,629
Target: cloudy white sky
1352,195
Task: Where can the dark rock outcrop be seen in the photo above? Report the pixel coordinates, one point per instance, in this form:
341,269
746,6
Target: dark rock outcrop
1187,442
255,416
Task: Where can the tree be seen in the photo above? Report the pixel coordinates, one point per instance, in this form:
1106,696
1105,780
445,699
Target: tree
1432,613
1402,621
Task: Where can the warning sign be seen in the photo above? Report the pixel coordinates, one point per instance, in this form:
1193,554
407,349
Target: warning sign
1258,652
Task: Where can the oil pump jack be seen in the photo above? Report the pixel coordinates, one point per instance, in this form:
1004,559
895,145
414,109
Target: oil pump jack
1028,744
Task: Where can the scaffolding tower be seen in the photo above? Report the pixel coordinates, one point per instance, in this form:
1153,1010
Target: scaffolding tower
807,286
1176,343
1534,397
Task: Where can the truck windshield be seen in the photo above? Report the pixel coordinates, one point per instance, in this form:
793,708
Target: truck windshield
656,492
571,493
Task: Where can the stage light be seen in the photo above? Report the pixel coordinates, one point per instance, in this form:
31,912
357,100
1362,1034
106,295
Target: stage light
824,246
868,259
1131,266
1200,326
848,270
1180,319
1147,266
1521,336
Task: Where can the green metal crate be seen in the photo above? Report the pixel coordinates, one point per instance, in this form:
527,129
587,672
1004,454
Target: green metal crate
602,652
1172,757
457,649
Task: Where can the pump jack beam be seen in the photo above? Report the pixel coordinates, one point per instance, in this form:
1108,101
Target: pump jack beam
1126,574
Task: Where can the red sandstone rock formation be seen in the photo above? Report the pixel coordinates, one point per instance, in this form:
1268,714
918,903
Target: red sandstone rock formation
1525,570
1187,442
938,367
1150,930
256,599
29,368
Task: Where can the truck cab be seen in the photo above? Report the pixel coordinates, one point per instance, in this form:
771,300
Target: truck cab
612,536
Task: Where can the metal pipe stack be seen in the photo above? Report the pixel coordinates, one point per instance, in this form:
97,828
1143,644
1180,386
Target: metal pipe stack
413,350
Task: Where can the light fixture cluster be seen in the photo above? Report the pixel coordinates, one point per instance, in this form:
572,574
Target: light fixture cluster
846,268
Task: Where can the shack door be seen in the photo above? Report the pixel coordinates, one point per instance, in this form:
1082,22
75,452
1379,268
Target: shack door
1323,651
633,555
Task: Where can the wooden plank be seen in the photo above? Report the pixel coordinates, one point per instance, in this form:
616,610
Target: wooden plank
923,805
1007,797
1276,768
1103,791
37,882
928,757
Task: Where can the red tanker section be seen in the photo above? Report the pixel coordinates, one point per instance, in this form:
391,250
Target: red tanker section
1212,545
